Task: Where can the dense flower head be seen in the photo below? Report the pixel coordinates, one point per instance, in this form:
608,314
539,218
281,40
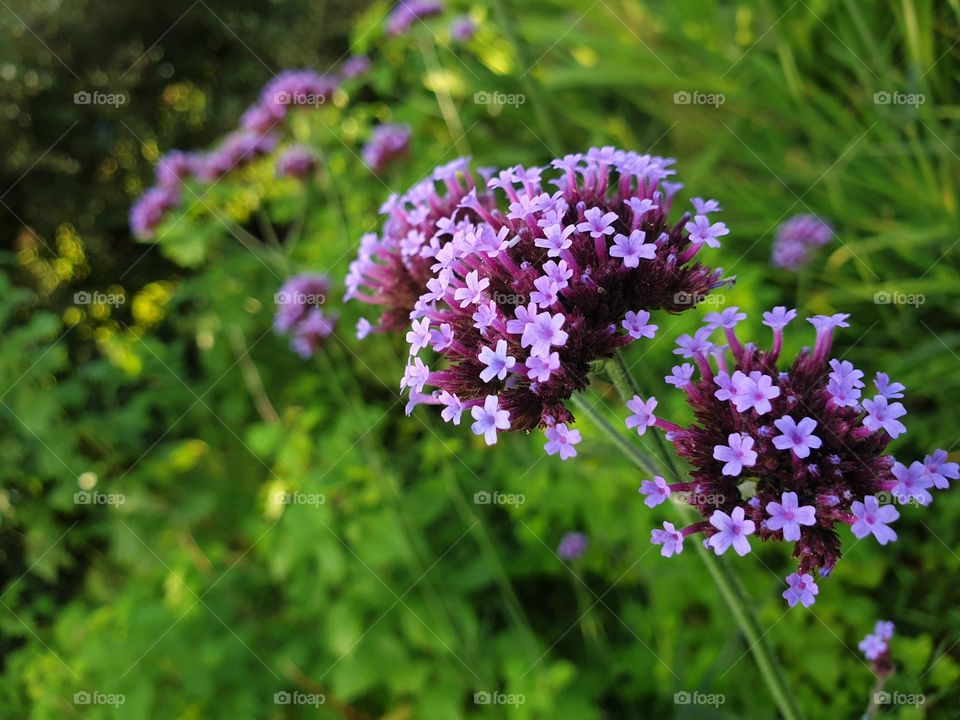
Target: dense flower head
797,238
175,167
406,12
572,545
235,151
150,208
789,454
296,162
528,287
299,314
392,269
388,143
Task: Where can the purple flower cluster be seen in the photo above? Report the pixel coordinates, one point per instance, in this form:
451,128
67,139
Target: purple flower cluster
149,209
392,269
520,301
786,455
406,12
288,90
796,240
388,143
296,162
299,314
355,66
876,647
236,150
572,545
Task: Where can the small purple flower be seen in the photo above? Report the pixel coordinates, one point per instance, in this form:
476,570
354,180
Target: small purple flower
489,418
572,546
754,392
415,376
656,491
737,454
797,437
941,471
787,515
406,12
701,231
802,589
561,440
873,647
732,530
150,208
705,207
699,343
296,297
419,337
643,416
542,332
797,238
680,375
452,407
728,319
540,367
632,249
889,390
884,629
462,29
472,294
912,483
597,224
498,362
175,167
779,317
881,414
363,328
635,323
873,519
355,66
311,332
670,538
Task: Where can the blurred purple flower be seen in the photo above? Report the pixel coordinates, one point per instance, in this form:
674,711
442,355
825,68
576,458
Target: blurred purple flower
387,143
296,162
149,209
797,238
572,545
406,12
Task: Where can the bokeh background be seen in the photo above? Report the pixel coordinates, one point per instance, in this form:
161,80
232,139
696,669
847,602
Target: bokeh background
196,594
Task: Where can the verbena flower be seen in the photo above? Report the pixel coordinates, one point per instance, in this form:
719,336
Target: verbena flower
787,454
392,269
299,314
235,151
406,12
572,545
150,208
288,90
355,66
797,238
296,162
175,167
388,143
876,647
558,279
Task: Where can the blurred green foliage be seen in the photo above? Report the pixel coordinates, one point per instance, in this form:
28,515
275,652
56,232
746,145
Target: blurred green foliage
398,596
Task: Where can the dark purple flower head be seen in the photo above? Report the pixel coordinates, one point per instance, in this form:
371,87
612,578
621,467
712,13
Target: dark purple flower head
392,269
175,167
296,162
406,12
388,143
572,545
797,238
149,209
299,313
462,28
555,279
355,66
793,452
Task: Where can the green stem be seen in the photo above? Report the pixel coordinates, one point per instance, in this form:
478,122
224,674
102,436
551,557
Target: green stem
442,92
722,574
